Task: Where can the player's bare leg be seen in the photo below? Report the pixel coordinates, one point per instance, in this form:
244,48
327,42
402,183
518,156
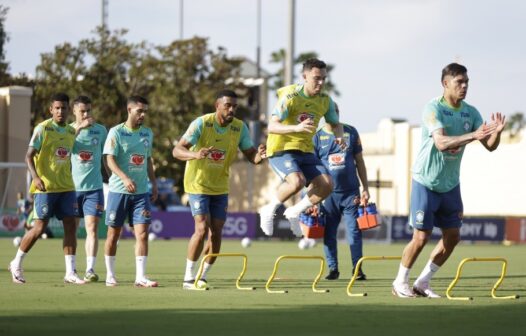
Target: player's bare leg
439,255
409,255
319,189
293,183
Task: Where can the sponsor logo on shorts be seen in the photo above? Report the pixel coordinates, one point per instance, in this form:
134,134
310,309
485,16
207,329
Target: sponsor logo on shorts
197,205
305,115
146,213
288,164
419,217
461,215
86,156
99,207
112,216
44,209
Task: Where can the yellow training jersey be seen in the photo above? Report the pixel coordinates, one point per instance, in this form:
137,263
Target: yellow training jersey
209,176
292,108
54,144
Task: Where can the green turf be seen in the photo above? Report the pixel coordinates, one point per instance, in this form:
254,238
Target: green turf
49,307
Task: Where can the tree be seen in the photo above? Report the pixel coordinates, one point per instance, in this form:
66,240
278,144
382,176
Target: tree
4,75
277,79
180,80
515,124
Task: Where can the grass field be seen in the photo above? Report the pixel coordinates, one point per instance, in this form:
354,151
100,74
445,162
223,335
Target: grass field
48,307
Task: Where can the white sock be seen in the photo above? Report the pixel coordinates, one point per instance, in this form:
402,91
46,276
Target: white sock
403,275
19,257
140,267
427,273
71,266
206,268
303,205
90,263
110,266
190,269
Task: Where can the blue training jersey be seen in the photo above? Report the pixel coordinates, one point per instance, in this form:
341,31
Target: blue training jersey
440,171
340,164
132,150
87,158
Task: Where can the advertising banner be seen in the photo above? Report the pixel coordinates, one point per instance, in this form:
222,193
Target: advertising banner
473,229
181,225
516,229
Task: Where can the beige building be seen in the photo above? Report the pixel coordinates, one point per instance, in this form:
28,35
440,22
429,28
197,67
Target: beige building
15,107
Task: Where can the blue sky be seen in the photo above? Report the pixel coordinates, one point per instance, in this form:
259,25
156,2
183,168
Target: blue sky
388,53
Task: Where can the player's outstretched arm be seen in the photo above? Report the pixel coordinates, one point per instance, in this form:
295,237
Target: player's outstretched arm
153,181
444,142
254,155
276,127
182,151
362,174
492,142
37,181
129,184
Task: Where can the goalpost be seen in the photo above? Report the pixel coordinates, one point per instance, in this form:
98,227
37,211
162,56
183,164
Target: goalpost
6,181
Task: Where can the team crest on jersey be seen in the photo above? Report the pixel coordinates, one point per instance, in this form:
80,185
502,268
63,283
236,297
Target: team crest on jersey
305,115
61,154
94,141
86,156
419,217
467,126
336,161
137,159
146,142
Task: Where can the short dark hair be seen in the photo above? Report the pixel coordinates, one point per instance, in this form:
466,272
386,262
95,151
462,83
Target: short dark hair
60,97
226,93
137,100
314,63
453,69
82,100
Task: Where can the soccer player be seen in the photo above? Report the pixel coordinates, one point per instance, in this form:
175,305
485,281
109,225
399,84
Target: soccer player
210,146
343,165
448,125
48,159
290,149
128,151
87,176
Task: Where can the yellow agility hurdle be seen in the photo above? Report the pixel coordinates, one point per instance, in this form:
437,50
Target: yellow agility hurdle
238,286
315,282
495,286
358,267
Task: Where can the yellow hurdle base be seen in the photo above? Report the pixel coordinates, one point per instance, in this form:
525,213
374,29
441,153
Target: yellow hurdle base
493,289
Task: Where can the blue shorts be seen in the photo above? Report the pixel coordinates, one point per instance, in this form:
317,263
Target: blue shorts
135,208
60,205
430,208
214,205
287,162
90,203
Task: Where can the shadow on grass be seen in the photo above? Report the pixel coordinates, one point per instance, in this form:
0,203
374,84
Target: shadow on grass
378,319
